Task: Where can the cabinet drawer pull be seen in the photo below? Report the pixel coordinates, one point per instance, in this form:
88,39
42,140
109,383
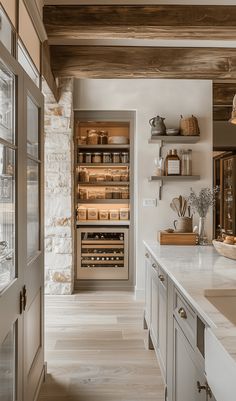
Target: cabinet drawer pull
161,277
182,313
154,266
146,254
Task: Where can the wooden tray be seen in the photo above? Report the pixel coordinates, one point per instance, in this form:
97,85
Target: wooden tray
175,238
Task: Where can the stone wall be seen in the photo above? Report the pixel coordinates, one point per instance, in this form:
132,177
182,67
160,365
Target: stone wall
59,209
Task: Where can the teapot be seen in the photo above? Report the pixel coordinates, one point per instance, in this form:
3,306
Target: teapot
157,126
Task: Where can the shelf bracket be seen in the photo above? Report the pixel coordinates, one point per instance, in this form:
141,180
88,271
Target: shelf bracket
160,148
160,189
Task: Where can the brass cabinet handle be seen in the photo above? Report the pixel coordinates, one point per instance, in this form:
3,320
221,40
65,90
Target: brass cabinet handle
146,254
182,313
161,277
154,266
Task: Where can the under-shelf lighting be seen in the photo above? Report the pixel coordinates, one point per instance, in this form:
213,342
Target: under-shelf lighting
233,114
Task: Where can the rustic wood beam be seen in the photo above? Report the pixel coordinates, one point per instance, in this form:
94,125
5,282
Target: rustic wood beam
223,93
73,22
46,70
143,62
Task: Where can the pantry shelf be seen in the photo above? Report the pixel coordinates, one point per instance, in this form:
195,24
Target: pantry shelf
105,201
104,183
103,165
103,223
100,147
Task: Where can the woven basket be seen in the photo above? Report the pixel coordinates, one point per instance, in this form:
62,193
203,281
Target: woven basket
189,126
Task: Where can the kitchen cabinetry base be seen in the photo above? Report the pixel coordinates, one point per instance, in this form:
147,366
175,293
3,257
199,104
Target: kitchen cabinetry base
149,341
145,326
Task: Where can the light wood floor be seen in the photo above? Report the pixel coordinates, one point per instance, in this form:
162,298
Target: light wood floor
95,350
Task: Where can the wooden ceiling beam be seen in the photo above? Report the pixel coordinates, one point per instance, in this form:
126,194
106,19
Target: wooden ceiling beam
82,22
143,62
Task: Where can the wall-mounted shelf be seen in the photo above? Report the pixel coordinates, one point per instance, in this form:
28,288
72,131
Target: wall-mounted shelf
104,183
105,201
100,147
174,139
168,178
104,165
103,223
161,140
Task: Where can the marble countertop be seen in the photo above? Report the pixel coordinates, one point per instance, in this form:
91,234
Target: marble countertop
195,269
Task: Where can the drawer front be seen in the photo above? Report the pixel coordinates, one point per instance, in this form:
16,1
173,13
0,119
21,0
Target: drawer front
186,318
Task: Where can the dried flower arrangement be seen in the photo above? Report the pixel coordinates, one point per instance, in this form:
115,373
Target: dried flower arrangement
203,201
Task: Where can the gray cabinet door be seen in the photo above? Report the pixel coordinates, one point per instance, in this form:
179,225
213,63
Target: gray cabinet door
154,308
162,325
147,289
186,372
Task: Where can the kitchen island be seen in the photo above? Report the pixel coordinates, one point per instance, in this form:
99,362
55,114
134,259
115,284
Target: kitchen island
189,312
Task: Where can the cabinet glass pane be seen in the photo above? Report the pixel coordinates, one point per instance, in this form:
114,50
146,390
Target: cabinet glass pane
5,31
7,367
7,216
6,103
32,207
32,128
228,196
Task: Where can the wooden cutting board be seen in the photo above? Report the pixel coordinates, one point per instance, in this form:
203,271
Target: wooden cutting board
175,238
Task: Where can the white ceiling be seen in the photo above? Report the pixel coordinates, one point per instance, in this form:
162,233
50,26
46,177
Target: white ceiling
147,2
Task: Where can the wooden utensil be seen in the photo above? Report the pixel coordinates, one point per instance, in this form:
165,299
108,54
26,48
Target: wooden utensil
176,203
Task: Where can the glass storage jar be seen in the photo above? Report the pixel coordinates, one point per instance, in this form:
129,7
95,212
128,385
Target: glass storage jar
88,157
80,157
103,137
124,157
114,214
108,175
124,176
116,175
124,193
92,195
106,157
82,213
96,157
84,175
108,193
116,193
92,214
124,214
100,194
92,137
83,193
115,157
92,177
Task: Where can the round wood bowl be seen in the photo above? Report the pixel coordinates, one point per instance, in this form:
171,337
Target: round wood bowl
229,251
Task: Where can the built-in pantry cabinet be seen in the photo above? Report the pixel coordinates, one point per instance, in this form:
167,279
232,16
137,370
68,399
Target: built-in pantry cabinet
176,333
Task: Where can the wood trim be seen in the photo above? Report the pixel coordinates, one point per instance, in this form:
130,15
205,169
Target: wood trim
140,22
223,93
222,113
143,62
46,70
36,19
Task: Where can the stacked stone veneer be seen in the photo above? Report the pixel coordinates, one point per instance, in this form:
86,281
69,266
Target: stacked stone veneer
59,208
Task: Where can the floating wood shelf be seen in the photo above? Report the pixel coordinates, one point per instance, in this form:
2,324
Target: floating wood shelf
108,146
104,183
168,178
174,139
101,201
174,178
103,223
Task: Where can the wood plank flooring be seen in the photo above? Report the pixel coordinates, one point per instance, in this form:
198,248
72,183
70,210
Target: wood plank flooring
95,350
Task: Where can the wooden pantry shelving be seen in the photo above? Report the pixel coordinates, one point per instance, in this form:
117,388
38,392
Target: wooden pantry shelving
94,162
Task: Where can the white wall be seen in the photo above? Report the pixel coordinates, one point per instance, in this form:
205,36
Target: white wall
168,98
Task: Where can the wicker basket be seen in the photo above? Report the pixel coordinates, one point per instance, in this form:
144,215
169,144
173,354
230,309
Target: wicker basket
189,126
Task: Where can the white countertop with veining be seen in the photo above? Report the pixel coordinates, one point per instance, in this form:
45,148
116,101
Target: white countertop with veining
195,269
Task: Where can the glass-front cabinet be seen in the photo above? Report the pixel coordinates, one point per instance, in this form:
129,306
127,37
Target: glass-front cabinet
7,177
225,208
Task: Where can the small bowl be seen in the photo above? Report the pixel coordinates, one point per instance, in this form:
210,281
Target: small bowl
172,131
226,250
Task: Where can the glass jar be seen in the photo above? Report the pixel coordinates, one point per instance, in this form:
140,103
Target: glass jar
82,213
124,176
124,193
92,177
114,214
88,158
115,157
103,137
80,157
100,195
92,195
83,193
96,157
106,157
101,178
108,175
103,214
108,193
116,175
92,137
116,193
82,140
84,175
124,157
124,214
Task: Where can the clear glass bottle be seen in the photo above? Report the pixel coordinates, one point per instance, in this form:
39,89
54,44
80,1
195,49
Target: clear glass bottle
189,162
172,163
